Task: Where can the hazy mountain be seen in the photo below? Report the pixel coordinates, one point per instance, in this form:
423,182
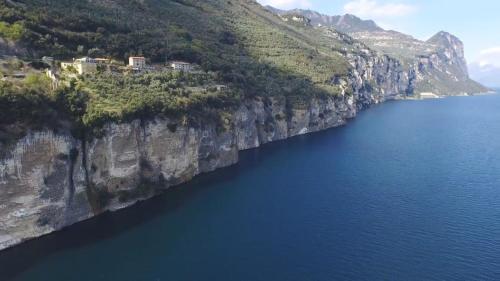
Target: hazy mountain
439,63
346,23
488,75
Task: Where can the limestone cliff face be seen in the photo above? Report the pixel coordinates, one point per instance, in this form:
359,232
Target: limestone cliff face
451,51
376,78
51,180
40,187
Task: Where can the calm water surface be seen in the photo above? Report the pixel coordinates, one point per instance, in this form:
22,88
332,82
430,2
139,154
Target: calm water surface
406,191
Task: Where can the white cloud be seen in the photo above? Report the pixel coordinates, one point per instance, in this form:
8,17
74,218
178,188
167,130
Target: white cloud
287,4
491,51
375,10
490,56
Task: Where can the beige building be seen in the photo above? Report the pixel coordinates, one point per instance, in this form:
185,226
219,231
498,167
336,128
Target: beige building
182,66
82,65
137,62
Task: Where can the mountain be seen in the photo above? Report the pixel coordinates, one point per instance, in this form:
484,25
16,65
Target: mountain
346,23
104,141
439,63
80,145
488,75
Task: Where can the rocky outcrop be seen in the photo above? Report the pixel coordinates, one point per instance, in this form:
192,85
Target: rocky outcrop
451,51
376,78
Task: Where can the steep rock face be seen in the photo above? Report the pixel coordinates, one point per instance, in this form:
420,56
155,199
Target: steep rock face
373,77
452,49
377,78
437,65
38,193
52,180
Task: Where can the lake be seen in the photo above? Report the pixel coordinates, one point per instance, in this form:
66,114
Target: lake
409,190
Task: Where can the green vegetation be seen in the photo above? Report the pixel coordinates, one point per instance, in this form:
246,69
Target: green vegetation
237,43
13,31
26,100
111,97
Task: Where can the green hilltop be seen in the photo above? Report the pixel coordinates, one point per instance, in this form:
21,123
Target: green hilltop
241,44
250,50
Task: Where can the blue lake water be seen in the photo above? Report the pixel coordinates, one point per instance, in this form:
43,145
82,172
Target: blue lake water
407,191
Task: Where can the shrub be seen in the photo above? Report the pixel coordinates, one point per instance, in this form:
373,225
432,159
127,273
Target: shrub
13,31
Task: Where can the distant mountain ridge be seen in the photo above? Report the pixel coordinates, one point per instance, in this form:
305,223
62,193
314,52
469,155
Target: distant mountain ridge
345,23
488,74
438,63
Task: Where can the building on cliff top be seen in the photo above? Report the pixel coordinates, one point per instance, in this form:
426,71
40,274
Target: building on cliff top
181,66
84,65
137,63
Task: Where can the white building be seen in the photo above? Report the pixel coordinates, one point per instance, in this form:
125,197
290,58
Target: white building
428,95
182,66
84,65
137,62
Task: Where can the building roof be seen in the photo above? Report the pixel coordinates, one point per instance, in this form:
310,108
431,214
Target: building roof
137,58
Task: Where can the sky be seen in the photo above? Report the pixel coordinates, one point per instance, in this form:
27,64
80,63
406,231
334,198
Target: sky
476,23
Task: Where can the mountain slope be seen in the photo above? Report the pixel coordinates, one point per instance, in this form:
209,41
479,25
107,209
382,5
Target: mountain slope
249,49
253,51
438,64
345,23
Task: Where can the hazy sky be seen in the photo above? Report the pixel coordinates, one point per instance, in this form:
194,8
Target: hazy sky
476,22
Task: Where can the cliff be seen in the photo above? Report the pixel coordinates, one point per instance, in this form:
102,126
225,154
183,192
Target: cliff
50,179
285,78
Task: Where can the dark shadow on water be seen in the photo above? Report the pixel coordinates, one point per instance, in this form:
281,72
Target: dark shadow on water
18,259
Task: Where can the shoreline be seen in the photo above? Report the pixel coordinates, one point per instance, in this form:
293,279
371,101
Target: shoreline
185,178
